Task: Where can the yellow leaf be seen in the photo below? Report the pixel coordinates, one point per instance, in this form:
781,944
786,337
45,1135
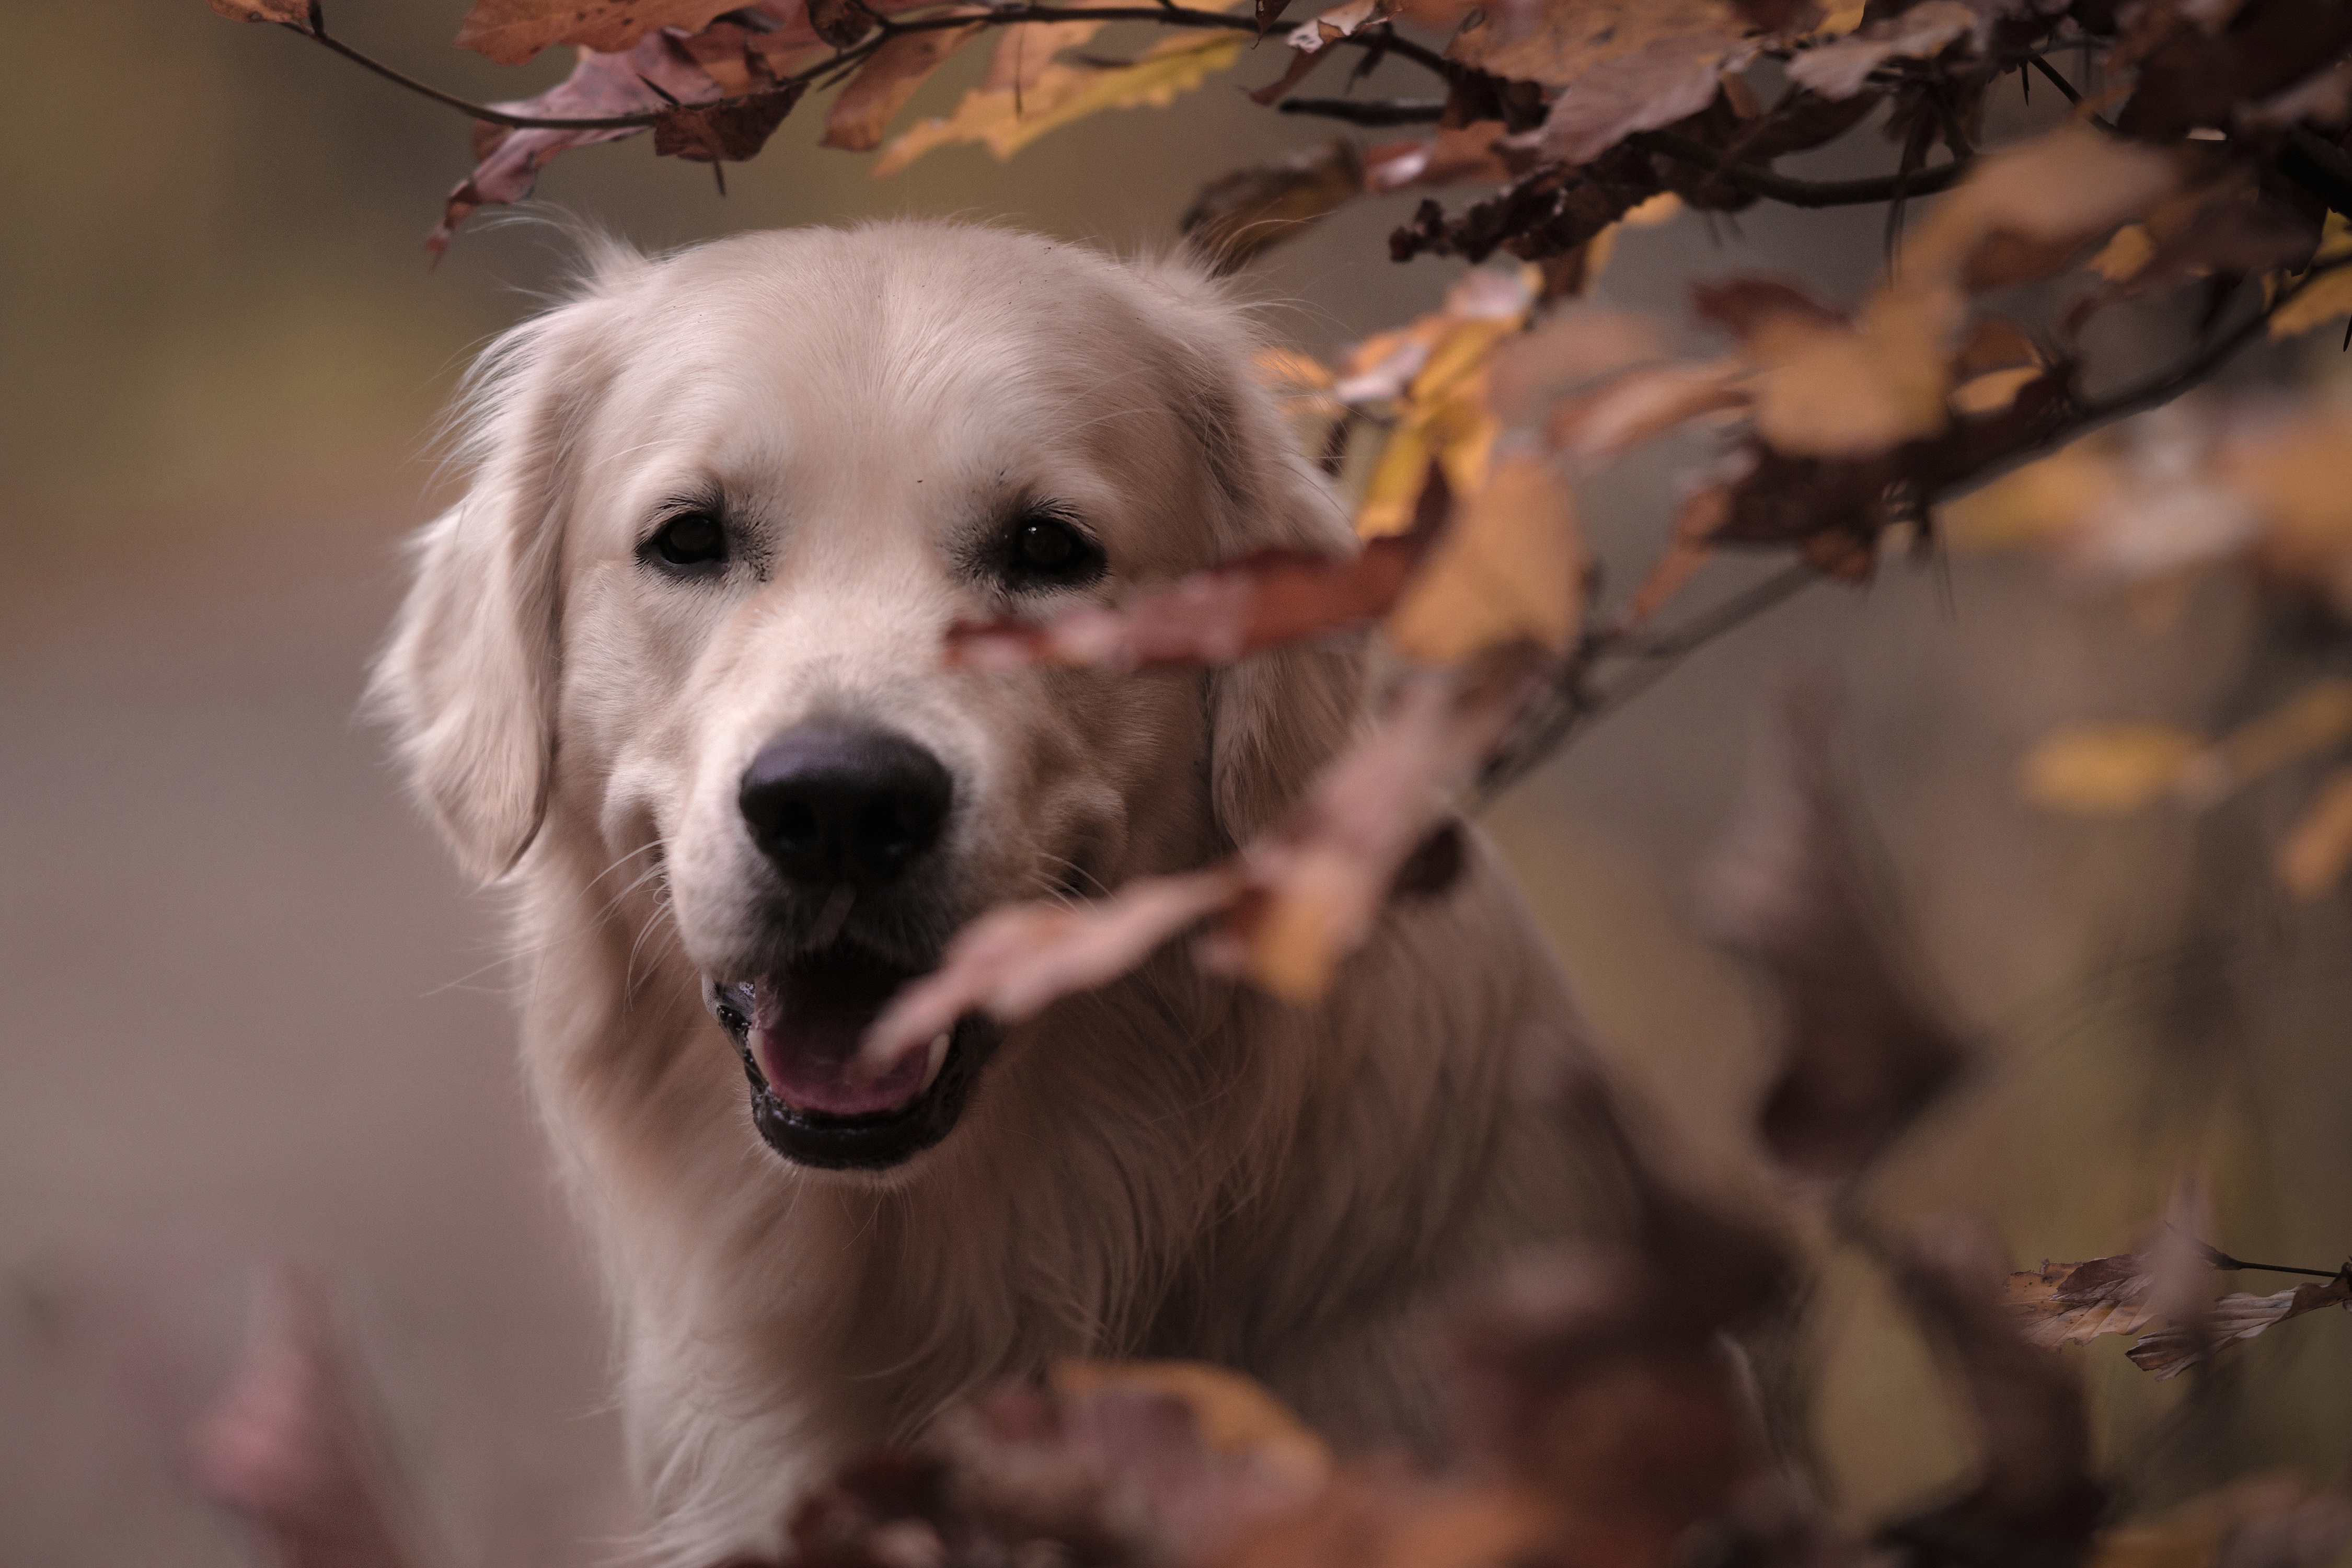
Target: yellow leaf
1510,567
1237,1417
2037,504
2099,770
1307,925
2121,260
2319,846
1994,390
2328,298
1064,94
1832,390
1842,19
2315,720
1661,209
1286,370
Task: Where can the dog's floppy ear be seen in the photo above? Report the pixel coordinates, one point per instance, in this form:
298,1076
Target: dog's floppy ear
467,679
1277,717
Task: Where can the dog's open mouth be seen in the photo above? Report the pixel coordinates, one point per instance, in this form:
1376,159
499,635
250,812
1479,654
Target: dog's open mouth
798,1033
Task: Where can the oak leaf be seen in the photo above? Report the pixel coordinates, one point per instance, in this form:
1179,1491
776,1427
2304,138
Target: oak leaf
1509,567
656,75
883,84
1005,120
511,32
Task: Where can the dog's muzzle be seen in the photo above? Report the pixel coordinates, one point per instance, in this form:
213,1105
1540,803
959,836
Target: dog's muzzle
842,812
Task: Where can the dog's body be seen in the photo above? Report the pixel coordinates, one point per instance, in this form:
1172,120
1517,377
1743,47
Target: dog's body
591,692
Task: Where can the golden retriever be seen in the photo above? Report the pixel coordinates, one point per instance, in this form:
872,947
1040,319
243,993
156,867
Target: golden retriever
671,671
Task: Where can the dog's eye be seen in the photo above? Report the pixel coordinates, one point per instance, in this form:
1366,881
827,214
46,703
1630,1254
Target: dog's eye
691,540
1045,551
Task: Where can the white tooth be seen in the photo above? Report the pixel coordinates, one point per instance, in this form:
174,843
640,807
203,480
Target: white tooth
936,1058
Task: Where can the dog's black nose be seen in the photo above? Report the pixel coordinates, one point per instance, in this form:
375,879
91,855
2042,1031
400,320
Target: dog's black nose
839,803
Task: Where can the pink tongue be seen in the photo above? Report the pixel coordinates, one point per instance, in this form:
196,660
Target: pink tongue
807,1030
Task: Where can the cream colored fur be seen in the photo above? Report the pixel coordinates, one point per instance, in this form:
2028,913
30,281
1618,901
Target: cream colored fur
1167,1167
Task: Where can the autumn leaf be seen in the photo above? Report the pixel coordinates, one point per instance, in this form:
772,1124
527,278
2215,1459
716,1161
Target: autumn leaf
2108,768
2167,1352
301,13
1208,617
883,84
1237,1417
511,32
1559,43
1235,218
1510,567
2026,212
2325,298
1841,68
1005,120
1017,959
656,75
2034,1492
1321,878
1862,1055
729,132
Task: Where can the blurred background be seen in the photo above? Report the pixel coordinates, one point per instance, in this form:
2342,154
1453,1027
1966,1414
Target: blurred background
247,1011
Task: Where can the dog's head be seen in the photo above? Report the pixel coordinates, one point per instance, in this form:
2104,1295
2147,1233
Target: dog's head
724,507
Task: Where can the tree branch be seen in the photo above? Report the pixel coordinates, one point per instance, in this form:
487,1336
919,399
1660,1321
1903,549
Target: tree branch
1165,14
1795,193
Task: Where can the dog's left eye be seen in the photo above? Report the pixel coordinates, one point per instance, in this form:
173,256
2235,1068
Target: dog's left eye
688,542
1042,550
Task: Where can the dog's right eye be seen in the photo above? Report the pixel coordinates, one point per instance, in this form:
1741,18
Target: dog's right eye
690,541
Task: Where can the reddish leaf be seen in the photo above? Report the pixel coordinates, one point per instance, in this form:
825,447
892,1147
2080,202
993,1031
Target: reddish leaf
508,160
512,31
884,82
1210,617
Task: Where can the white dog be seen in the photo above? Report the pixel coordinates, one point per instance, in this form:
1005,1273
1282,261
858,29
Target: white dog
672,670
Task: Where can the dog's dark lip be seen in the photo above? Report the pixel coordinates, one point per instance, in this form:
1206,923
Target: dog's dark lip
870,1142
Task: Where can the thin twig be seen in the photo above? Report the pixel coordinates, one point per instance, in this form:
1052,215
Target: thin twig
1164,14
1795,193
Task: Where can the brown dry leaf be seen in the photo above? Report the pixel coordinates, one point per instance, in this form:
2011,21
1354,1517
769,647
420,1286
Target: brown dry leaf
2042,201
1455,156
1017,959
1510,568
1836,391
1237,217
2074,1304
2167,1352
1666,80
1237,1417
1598,427
2034,1494
1561,42
508,160
1214,616
729,132
2312,858
295,13
883,84
1689,547
1841,70
1005,119
1321,877
1574,348
2107,769
513,31
1862,1055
